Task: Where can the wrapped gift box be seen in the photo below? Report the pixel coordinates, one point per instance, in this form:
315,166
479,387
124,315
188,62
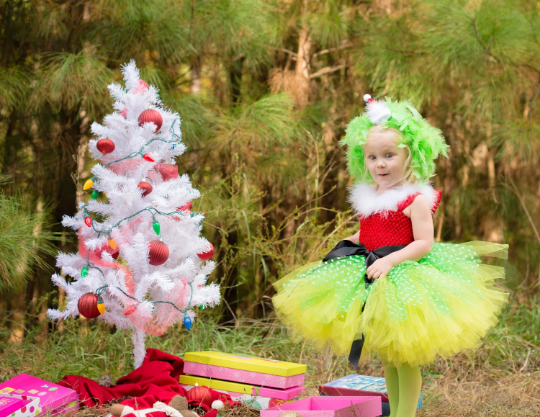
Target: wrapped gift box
19,406
253,401
218,384
360,385
53,398
239,375
329,407
246,363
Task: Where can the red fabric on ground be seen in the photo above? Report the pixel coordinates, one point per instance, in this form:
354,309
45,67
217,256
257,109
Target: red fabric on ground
155,380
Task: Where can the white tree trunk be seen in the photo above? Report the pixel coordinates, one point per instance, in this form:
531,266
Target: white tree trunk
139,349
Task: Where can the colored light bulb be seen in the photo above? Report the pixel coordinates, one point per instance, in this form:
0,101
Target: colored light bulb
156,227
88,221
101,306
201,307
95,194
88,184
84,272
148,157
187,322
130,310
112,244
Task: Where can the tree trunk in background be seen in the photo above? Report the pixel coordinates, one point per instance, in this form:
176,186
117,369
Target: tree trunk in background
17,305
235,78
302,73
196,83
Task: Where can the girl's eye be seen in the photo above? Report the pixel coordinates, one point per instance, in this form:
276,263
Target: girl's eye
389,155
372,157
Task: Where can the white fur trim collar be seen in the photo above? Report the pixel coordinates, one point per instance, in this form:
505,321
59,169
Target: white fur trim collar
365,200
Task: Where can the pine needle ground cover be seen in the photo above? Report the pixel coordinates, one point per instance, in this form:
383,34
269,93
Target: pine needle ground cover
502,378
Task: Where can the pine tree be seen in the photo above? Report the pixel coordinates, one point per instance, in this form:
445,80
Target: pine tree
146,221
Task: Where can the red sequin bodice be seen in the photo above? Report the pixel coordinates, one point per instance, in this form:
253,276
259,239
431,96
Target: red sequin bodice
391,227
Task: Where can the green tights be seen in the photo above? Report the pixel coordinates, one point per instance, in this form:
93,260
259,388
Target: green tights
403,384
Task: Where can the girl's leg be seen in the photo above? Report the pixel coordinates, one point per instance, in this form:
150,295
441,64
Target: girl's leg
392,386
410,384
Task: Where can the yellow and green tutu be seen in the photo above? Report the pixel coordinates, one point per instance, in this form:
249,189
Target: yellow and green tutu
441,305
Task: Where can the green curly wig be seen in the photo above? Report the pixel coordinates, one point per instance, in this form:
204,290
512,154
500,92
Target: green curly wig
424,141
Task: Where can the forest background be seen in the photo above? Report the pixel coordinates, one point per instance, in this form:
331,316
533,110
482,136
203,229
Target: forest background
265,89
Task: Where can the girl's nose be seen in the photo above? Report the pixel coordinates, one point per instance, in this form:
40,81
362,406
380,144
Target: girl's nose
381,163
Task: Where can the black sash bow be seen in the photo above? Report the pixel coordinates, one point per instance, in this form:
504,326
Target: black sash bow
348,248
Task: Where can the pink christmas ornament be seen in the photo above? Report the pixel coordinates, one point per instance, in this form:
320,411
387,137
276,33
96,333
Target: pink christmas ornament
145,187
208,254
167,171
106,248
158,253
141,87
105,146
201,395
87,306
186,208
151,116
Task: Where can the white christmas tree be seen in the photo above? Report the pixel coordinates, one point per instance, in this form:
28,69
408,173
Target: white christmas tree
141,264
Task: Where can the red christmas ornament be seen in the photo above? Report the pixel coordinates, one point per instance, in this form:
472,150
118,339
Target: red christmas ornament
148,157
208,254
167,171
186,208
130,310
158,253
151,116
145,187
88,221
141,88
201,395
106,248
88,306
105,146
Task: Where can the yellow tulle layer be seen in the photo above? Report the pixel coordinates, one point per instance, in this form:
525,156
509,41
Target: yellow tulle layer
441,305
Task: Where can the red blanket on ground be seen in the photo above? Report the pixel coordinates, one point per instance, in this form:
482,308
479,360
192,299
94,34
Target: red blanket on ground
155,380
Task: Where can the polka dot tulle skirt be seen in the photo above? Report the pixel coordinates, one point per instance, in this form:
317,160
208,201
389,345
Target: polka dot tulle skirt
440,305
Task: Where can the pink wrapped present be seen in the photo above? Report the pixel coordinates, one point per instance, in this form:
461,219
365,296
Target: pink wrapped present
239,375
329,407
19,406
53,398
218,384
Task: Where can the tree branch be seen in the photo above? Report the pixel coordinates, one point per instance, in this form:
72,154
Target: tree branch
291,53
327,70
326,51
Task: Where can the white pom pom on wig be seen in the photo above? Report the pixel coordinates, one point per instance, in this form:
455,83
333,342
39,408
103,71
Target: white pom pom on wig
377,111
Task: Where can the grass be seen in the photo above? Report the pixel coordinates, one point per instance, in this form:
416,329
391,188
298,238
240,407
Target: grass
501,378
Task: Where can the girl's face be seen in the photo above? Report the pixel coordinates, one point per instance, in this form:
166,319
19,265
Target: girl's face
385,161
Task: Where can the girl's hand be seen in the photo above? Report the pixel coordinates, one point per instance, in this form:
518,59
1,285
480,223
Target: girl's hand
380,268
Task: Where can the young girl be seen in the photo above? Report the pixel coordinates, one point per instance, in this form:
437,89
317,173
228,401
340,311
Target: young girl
396,293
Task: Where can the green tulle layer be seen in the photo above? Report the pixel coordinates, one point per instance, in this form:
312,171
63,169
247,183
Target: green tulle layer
441,305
